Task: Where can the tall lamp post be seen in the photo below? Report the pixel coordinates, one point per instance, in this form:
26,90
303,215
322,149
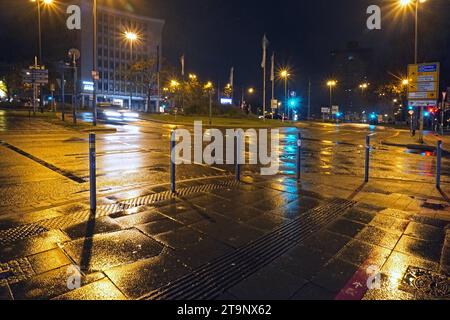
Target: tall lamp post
416,3
40,62
131,37
284,74
94,63
331,84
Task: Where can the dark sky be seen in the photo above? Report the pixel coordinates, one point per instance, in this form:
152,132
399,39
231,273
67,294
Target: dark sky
217,34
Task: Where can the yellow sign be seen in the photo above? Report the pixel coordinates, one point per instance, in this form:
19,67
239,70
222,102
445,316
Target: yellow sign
423,82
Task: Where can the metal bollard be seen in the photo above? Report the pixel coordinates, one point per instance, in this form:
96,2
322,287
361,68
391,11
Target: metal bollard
299,156
172,163
92,174
438,164
238,158
366,175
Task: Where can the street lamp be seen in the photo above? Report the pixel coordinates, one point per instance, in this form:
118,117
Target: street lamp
38,3
131,37
363,86
406,3
284,74
331,84
210,89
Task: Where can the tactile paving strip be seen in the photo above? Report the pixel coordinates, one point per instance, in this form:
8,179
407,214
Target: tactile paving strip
212,279
25,231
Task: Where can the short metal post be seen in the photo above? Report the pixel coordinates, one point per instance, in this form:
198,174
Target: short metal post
172,162
367,166
299,156
92,174
238,157
438,164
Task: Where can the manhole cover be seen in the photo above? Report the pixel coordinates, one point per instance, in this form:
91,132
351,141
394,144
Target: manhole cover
426,284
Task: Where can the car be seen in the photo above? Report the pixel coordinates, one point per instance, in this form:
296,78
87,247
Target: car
112,112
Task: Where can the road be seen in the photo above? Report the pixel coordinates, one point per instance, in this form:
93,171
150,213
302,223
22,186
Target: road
45,165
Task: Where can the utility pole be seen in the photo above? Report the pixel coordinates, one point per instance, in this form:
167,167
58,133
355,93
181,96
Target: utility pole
95,62
309,99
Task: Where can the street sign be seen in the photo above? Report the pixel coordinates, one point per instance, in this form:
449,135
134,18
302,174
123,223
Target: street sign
325,110
423,86
422,103
335,109
274,103
35,75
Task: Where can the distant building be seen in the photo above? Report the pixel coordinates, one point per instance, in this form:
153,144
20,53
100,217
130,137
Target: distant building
350,67
114,55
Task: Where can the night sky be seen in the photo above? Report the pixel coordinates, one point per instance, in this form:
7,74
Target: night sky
215,35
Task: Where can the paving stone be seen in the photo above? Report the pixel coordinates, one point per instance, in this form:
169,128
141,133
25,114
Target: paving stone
379,237
105,251
360,253
194,216
346,227
310,291
239,214
427,250
303,262
160,226
93,226
327,242
397,264
267,221
46,285
180,238
268,284
102,289
335,275
359,215
389,223
48,260
202,252
140,218
424,232
142,277
175,208
40,243
229,232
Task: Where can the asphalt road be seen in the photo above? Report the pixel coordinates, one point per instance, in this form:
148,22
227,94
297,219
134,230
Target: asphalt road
44,165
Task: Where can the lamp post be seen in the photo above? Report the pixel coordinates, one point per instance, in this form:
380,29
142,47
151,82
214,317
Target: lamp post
94,63
131,37
416,3
331,84
40,62
284,74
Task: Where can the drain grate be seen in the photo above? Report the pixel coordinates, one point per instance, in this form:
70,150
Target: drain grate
211,280
29,230
426,284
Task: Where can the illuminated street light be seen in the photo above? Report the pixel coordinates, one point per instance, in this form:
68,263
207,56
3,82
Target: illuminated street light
284,74
174,83
38,3
405,82
192,76
251,90
331,84
131,37
407,3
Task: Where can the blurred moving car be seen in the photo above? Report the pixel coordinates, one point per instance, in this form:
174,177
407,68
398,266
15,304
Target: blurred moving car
112,112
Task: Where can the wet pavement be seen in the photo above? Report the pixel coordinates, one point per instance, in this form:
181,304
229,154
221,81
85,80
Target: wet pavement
263,238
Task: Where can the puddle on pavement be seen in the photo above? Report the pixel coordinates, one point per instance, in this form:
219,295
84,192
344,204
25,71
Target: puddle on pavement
421,152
